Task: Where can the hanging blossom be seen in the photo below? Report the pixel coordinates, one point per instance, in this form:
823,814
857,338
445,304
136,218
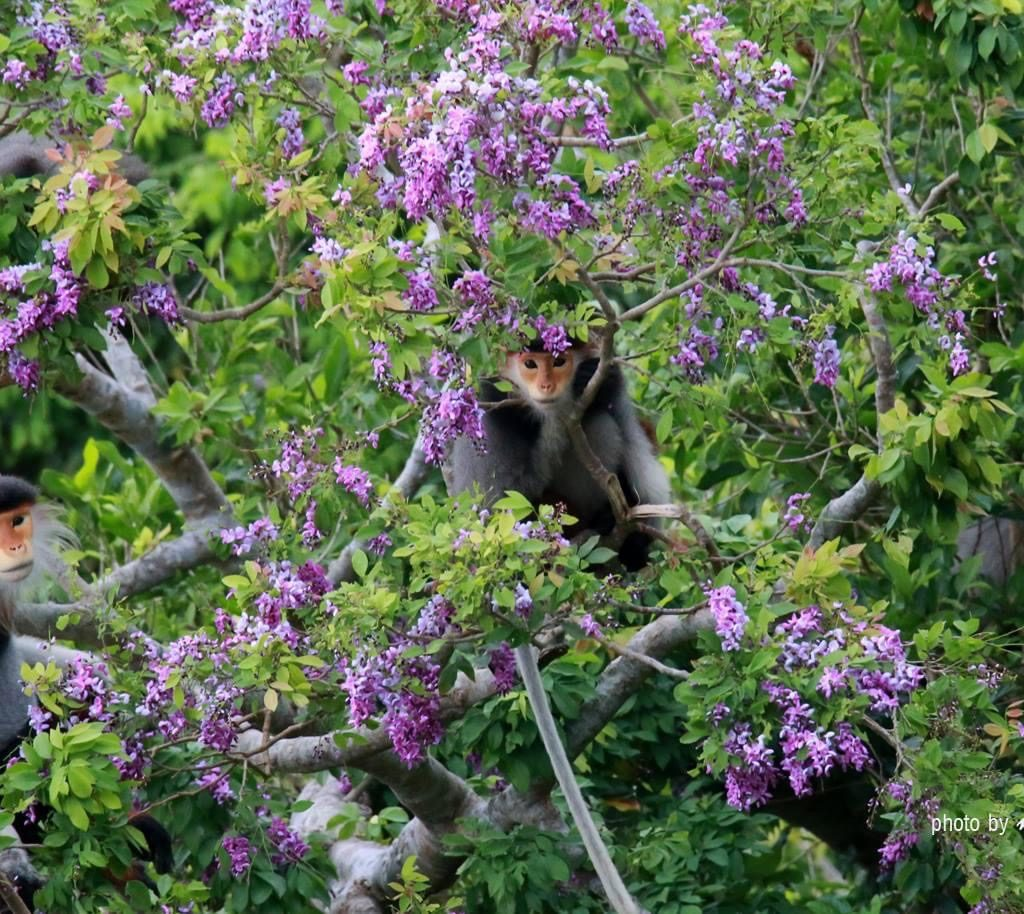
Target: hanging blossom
792,745
240,853
729,614
911,266
825,353
474,122
553,337
22,317
794,519
406,689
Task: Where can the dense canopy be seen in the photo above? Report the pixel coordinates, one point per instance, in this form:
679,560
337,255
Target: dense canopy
256,257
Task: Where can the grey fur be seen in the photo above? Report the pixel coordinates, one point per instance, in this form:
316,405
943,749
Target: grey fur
24,156
1000,543
527,449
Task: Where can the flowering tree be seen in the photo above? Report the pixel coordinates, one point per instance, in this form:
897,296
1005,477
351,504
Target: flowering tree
241,317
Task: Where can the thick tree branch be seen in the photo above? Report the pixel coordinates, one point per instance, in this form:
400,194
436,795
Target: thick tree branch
847,507
180,469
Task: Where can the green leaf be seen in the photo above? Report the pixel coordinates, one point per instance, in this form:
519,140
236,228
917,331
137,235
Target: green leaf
975,146
989,136
97,273
987,42
360,562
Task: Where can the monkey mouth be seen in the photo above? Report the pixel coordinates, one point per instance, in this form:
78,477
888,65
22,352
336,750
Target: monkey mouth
17,572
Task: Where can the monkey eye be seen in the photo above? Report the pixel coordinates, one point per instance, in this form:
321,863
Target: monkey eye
530,363
18,520
559,361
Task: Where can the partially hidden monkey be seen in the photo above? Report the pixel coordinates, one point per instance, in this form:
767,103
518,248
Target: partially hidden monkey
1000,543
527,446
23,155
29,538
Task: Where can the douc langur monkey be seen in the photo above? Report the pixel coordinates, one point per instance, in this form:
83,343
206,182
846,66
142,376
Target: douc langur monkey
527,447
29,538
23,155
1000,543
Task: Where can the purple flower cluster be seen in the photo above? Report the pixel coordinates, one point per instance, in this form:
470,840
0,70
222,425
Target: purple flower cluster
243,540
241,853
297,463
294,141
21,319
794,746
917,812
290,847
912,266
411,712
730,616
355,480
696,350
117,112
473,122
643,26
453,414
825,353
751,776
502,664
553,337
157,298
794,519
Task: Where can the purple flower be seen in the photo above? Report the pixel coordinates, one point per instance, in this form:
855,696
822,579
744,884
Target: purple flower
157,298
354,480
241,854
553,337
16,73
455,412
290,847
523,601
730,617
421,294
220,102
794,517
294,140
328,250
24,372
502,664
355,72
959,357
181,85
826,359
643,26
985,263
118,110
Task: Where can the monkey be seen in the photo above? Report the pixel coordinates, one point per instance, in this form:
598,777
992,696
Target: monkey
527,446
23,155
1000,543
29,537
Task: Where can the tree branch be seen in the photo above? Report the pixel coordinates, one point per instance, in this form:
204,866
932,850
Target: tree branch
180,469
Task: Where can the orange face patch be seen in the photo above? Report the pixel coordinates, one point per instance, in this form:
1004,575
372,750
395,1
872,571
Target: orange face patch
542,376
16,543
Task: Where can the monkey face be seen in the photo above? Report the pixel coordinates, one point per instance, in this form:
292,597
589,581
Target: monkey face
543,377
16,544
